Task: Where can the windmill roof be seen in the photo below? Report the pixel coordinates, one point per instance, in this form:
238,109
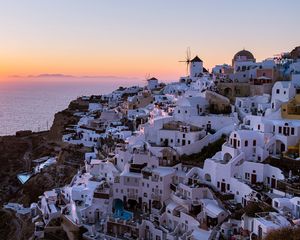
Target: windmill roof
153,78
196,59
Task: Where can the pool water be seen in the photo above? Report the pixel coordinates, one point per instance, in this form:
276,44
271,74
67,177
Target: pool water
123,214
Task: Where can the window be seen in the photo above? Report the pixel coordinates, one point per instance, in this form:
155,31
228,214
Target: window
292,131
258,126
228,187
189,142
246,143
178,111
254,143
218,184
185,111
161,139
277,91
280,129
183,135
247,176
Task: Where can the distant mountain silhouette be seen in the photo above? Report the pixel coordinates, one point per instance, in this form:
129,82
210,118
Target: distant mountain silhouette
60,75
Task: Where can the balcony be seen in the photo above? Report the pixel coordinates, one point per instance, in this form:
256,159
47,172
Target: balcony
155,179
136,168
155,197
132,196
181,199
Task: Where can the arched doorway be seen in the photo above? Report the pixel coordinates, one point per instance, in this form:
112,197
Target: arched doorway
279,147
228,92
118,205
207,177
227,157
132,204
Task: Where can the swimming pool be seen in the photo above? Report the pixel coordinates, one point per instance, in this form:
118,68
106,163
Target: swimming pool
123,214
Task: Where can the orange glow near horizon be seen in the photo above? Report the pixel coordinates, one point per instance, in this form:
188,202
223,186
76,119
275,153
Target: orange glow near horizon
122,66
137,38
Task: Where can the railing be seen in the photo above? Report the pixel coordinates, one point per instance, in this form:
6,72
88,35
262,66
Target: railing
132,196
155,197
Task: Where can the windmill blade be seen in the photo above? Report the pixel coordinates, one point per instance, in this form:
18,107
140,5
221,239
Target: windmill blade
147,76
187,60
187,68
188,54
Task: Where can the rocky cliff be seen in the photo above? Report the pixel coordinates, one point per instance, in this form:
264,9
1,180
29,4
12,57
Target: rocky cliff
16,155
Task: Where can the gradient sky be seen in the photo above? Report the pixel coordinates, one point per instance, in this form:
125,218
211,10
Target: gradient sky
139,37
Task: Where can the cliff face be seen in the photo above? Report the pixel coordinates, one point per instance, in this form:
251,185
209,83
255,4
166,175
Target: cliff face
61,121
12,161
13,227
16,155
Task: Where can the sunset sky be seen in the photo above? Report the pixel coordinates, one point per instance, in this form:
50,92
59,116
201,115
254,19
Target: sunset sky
139,37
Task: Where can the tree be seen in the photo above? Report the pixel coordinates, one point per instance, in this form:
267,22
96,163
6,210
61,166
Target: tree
287,233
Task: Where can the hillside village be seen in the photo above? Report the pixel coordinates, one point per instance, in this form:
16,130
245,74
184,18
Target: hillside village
145,177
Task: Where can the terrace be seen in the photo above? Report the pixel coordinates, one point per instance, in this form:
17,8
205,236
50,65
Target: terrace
180,126
103,191
290,185
272,219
